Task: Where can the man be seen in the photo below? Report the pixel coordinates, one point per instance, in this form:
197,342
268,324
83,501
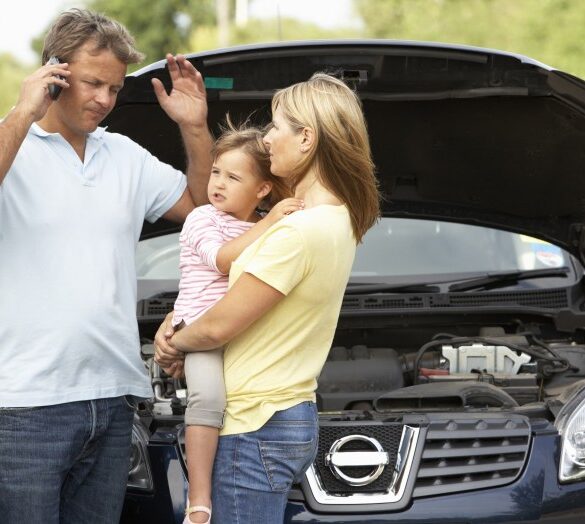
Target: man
72,201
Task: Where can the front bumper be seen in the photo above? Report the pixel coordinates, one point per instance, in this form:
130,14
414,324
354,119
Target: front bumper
535,496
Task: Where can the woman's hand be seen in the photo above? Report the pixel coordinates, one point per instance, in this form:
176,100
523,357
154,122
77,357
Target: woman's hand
165,355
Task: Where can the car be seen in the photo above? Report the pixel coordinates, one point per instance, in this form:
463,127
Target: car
454,390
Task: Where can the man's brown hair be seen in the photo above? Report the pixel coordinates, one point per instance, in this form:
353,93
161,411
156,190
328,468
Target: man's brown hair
74,27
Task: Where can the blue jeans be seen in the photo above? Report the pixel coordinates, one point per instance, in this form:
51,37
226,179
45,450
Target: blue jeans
253,472
65,463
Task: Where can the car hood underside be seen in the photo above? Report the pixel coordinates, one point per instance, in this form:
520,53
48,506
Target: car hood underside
458,134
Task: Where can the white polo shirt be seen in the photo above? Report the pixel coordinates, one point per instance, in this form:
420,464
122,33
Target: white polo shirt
68,233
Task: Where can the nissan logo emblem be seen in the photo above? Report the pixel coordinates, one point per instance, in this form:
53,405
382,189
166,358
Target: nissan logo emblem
337,459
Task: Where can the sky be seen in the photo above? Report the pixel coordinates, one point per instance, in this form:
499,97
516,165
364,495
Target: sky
22,20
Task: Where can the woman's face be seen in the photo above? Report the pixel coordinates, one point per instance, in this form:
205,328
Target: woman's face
284,145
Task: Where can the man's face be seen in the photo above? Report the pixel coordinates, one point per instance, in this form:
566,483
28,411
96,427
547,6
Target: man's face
96,79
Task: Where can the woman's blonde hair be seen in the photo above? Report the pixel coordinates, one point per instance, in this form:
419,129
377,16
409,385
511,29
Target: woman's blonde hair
341,153
248,139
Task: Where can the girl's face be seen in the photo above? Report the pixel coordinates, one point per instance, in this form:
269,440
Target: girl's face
284,144
234,186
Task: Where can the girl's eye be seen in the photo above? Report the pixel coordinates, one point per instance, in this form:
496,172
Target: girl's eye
232,177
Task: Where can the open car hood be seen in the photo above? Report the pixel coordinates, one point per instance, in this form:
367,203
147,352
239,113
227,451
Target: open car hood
458,133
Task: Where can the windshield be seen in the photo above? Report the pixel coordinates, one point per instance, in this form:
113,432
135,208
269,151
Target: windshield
397,247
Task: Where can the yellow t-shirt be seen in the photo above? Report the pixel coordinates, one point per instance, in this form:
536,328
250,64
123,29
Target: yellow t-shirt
274,364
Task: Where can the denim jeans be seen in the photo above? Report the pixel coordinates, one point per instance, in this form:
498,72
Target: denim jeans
65,463
253,472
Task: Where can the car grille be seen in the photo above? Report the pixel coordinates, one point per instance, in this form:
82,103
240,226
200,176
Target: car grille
453,454
388,435
464,454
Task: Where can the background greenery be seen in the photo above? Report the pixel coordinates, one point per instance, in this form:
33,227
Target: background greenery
550,31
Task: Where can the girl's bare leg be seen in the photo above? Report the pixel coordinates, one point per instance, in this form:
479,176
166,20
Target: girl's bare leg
200,447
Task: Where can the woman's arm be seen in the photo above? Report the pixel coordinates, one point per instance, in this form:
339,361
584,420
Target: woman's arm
247,300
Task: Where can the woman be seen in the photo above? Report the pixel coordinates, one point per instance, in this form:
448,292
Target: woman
279,316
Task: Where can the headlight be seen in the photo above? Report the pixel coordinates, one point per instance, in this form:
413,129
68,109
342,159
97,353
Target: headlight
571,425
139,475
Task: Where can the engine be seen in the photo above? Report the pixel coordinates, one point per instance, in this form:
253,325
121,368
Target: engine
492,370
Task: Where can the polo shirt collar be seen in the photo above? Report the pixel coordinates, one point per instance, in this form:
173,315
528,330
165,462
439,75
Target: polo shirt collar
98,134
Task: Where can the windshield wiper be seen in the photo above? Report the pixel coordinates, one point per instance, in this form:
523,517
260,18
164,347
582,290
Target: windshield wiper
495,280
366,289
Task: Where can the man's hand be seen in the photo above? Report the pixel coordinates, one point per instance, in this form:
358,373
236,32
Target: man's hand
34,99
32,105
187,103
187,106
165,355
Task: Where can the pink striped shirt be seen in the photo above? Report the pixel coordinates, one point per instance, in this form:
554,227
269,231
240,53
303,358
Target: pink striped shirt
205,231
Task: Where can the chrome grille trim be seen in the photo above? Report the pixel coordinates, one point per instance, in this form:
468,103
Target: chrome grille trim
395,491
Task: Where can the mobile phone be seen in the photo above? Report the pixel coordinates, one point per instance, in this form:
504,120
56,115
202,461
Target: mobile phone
54,89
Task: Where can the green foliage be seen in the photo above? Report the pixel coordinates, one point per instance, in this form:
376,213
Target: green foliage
266,30
159,27
547,30
12,73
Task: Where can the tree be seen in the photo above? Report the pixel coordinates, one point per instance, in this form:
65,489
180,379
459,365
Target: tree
158,27
266,30
11,74
519,26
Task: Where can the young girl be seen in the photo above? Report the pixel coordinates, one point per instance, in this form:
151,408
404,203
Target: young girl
212,237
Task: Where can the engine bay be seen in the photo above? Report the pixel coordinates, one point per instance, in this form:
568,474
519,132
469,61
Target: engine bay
482,368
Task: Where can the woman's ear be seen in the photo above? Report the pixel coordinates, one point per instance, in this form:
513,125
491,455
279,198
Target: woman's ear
307,139
263,190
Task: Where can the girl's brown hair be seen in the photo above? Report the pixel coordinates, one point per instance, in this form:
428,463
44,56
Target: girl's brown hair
341,153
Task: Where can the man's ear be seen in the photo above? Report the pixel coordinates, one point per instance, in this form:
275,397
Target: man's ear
263,190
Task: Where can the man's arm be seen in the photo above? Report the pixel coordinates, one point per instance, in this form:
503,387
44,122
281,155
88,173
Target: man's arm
187,106
198,143
13,130
32,104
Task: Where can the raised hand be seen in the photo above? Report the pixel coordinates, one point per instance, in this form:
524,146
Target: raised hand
186,104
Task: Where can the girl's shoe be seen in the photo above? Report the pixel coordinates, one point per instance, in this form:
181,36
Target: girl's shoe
193,509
